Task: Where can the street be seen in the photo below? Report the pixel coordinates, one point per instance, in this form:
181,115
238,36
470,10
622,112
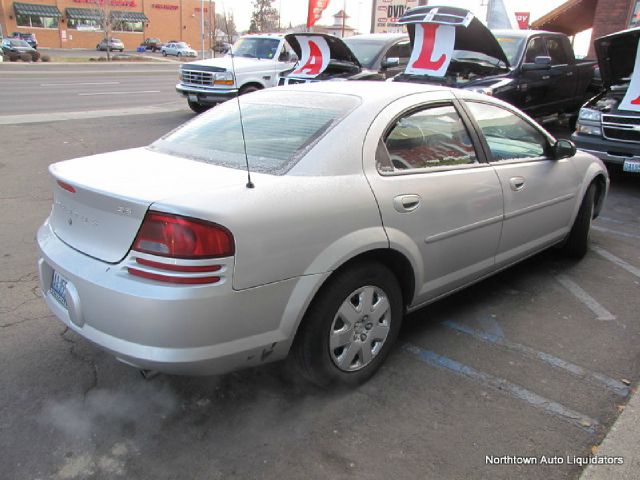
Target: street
537,360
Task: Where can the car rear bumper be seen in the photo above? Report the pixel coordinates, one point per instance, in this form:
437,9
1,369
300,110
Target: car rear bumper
206,96
179,329
609,151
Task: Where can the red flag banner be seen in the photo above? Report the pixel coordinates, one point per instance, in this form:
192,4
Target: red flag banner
316,7
523,19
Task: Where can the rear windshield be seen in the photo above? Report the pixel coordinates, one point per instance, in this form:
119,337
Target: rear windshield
279,127
365,51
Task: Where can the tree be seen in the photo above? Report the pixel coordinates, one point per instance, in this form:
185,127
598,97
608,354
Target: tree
264,17
104,11
226,23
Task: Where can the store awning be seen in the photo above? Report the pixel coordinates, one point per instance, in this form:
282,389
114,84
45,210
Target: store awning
121,15
83,14
571,17
39,10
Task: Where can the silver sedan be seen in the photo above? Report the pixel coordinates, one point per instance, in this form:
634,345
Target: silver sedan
366,200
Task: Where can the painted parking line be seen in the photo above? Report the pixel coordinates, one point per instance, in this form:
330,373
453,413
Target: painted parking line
549,406
490,325
614,232
612,384
618,261
591,303
77,83
117,93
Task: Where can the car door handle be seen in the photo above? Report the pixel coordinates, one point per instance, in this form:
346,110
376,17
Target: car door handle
517,183
406,203
570,74
546,77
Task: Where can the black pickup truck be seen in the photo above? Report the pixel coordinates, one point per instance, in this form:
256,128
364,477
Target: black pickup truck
606,128
535,71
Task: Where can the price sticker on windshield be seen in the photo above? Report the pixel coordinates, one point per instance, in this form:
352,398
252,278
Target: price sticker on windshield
432,50
631,100
315,56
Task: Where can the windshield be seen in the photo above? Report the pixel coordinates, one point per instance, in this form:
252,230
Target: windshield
256,47
512,47
280,128
365,51
19,43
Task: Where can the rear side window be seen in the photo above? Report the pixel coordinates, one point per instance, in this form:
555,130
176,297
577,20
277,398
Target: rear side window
279,126
509,137
400,50
424,139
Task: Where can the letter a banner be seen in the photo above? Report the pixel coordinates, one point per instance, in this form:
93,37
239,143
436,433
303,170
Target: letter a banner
432,49
631,100
315,56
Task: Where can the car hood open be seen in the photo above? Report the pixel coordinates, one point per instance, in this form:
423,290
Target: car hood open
475,37
617,55
339,50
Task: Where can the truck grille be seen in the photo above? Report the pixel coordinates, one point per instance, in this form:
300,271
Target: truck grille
624,129
195,77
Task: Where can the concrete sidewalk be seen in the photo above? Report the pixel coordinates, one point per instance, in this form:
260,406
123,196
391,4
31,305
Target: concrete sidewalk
623,440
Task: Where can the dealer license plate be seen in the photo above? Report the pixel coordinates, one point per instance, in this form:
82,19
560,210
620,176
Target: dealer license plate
58,289
631,166
193,98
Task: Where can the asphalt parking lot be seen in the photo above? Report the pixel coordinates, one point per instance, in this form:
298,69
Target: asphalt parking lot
538,360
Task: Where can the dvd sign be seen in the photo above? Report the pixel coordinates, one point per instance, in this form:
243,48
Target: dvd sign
386,14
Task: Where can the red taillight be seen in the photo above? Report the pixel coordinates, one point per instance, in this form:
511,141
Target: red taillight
175,236
66,186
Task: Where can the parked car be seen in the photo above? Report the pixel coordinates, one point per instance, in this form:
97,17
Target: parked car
153,44
605,128
534,70
221,47
366,200
13,48
179,49
30,38
257,62
360,57
114,44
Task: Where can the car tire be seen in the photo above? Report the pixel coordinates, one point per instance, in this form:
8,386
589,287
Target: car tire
164,53
198,107
248,89
179,55
577,242
361,306
98,47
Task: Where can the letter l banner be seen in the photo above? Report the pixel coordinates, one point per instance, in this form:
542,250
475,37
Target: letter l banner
631,100
432,49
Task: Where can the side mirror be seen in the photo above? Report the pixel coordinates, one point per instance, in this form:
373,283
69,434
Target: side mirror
563,149
390,62
541,62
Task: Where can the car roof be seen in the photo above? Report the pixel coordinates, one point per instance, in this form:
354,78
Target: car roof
383,37
523,33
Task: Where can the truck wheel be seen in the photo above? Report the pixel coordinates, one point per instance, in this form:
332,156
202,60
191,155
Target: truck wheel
577,242
248,89
350,326
197,107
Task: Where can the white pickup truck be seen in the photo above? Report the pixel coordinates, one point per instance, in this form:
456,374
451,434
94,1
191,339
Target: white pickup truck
257,62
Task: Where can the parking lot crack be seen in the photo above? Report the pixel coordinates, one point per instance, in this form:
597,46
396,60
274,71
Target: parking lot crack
93,383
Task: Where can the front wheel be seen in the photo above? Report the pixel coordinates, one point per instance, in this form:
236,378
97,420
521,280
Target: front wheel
350,327
197,107
577,243
248,89
164,53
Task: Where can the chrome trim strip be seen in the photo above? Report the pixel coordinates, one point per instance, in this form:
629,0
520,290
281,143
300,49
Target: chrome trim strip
540,205
467,228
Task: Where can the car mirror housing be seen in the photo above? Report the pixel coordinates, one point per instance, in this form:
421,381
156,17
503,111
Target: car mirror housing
390,62
541,62
563,149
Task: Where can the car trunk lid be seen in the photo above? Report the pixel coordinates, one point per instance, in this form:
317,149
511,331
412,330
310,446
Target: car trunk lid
100,201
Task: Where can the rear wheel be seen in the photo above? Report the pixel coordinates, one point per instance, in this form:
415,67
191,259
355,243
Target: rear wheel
577,243
350,327
197,107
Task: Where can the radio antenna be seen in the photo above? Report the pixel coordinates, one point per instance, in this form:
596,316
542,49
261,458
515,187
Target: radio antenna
250,184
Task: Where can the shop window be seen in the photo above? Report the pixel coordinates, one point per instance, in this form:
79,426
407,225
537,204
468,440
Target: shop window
36,21
84,24
125,26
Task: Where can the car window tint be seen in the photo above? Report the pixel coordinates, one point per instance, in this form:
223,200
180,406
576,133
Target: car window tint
508,136
400,50
556,52
432,137
535,48
279,127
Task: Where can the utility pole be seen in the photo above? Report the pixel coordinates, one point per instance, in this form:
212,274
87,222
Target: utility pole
202,26
344,15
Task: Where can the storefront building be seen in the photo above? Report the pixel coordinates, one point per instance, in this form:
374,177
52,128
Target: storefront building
78,23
